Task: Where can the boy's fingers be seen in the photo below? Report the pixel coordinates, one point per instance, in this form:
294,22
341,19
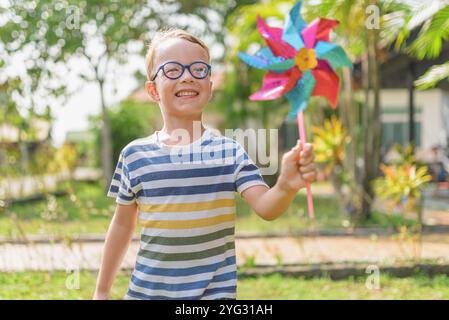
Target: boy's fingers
305,149
308,149
306,158
302,153
310,177
308,168
297,149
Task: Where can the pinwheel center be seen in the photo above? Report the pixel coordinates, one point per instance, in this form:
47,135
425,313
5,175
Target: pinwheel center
305,59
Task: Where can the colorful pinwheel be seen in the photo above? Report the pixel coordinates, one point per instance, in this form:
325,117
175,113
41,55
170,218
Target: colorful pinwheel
301,63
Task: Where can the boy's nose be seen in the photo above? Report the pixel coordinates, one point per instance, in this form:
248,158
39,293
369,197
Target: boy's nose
186,76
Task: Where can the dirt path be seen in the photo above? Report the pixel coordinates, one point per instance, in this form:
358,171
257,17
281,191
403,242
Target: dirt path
261,251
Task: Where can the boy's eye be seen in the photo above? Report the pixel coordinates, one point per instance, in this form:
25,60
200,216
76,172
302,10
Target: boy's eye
172,69
199,69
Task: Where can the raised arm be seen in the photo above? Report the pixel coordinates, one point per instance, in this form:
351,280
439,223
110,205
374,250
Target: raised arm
118,237
297,167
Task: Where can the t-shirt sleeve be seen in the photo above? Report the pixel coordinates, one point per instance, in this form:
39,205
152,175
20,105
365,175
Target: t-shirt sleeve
120,187
247,174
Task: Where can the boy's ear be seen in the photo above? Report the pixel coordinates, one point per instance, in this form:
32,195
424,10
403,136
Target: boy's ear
150,86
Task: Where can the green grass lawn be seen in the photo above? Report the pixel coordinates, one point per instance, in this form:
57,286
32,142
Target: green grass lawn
87,210
43,285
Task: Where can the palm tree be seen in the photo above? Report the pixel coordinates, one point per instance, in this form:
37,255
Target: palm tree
364,43
429,44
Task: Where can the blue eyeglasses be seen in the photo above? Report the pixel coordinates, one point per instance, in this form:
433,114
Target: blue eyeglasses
174,70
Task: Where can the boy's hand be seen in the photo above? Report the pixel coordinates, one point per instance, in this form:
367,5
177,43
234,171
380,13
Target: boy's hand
297,167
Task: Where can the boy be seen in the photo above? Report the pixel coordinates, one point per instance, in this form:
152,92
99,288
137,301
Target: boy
186,205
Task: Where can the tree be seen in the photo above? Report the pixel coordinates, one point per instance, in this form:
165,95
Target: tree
59,31
373,25
429,44
55,32
129,120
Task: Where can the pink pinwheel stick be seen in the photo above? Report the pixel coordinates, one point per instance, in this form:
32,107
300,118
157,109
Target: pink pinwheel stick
302,136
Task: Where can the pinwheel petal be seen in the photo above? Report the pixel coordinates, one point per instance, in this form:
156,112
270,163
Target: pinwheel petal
298,75
318,30
262,62
333,54
300,94
276,84
273,86
273,38
327,83
294,75
266,53
293,26
259,62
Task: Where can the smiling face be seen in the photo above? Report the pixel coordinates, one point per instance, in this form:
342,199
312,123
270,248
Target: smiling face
185,96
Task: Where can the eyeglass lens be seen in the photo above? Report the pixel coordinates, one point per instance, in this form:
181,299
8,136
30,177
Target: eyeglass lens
175,70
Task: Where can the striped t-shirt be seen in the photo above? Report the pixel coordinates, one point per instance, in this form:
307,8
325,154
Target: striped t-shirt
186,203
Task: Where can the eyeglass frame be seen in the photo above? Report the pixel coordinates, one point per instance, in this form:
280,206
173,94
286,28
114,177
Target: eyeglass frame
184,67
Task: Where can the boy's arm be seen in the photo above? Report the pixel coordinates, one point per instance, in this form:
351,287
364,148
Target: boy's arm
271,203
117,240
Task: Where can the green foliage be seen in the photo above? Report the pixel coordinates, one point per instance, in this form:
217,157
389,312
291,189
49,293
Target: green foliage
50,33
433,76
61,27
295,219
129,120
393,20
329,143
434,32
402,180
428,45
387,221
84,209
85,145
64,159
9,112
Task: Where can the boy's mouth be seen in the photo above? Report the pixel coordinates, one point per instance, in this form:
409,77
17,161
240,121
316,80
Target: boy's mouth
186,93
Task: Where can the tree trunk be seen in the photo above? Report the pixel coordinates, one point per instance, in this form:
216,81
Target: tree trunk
377,120
106,142
349,117
411,106
367,137
372,123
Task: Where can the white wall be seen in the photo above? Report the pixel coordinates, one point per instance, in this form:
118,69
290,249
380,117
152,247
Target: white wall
445,117
429,105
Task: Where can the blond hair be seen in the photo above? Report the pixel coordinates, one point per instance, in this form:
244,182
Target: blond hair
165,34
